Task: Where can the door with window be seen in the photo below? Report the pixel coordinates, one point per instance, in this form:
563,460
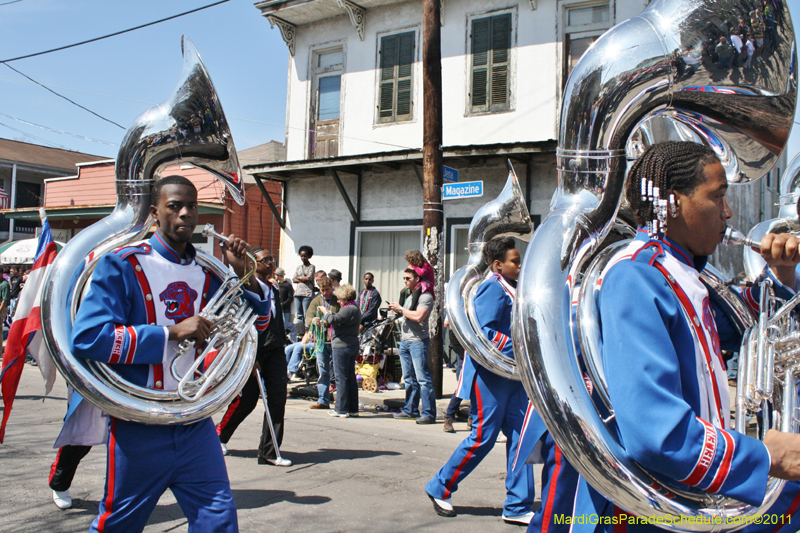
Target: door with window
326,104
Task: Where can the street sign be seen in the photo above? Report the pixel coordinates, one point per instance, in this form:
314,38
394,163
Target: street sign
449,174
467,189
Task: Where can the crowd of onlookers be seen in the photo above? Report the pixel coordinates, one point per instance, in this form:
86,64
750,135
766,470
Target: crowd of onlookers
328,317
748,38
11,283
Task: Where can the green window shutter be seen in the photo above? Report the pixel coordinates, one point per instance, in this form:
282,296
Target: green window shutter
481,43
405,66
388,63
396,66
491,42
501,43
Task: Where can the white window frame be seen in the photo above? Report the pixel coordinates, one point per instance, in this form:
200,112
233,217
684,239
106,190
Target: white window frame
512,62
452,252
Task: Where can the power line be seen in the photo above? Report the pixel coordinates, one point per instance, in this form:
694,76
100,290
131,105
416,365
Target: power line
77,136
12,2
64,97
113,34
82,92
34,137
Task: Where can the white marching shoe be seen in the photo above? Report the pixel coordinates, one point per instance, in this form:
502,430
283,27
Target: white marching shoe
62,499
523,519
224,448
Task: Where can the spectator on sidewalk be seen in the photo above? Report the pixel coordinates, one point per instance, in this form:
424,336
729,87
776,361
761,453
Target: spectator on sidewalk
737,43
414,351
369,299
287,295
344,343
304,278
294,353
15,283
320,330
5,301
336,278
724,52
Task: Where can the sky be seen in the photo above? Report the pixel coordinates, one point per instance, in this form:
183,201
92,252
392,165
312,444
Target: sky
119,77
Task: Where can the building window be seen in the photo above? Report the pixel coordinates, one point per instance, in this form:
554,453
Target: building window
491,44
583,26
395,88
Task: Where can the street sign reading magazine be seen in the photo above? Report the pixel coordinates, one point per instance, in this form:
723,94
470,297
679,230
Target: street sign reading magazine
466,189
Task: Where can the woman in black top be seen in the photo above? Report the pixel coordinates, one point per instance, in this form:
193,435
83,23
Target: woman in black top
345,349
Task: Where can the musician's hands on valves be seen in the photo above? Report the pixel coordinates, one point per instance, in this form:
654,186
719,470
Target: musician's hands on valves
781,252
195,328
236,254
784,452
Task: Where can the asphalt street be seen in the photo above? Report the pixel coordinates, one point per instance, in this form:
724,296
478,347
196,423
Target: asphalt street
360,474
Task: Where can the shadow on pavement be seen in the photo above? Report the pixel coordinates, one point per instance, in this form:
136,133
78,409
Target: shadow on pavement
324,455
255,498
244,498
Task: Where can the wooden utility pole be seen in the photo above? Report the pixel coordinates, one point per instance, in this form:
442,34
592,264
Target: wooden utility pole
432,212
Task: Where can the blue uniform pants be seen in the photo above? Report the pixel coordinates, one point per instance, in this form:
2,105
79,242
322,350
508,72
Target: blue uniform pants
145,460
496,404
559,484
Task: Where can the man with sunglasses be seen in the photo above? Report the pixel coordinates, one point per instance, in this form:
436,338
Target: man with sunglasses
270,359
414,342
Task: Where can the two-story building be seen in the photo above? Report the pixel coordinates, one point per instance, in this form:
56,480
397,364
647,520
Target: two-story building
353,172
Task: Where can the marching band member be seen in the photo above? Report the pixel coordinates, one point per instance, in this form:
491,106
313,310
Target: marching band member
63,472
496,403
271,360
143,300
665,375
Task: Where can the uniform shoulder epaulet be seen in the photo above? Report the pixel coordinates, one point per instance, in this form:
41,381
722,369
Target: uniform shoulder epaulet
648,253
123,252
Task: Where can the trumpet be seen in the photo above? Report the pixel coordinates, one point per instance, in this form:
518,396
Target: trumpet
231,319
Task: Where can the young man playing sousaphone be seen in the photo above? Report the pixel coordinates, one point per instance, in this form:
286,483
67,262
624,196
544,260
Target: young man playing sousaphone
144,299
661,342
496,403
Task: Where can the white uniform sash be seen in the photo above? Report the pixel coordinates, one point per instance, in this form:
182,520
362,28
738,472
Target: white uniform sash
684,280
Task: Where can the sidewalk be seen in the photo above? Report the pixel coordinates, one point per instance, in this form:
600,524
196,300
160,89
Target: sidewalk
388,400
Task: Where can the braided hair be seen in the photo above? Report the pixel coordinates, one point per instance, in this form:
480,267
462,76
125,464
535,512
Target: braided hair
663,169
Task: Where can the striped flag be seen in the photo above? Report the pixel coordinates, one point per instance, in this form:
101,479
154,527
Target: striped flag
25,333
